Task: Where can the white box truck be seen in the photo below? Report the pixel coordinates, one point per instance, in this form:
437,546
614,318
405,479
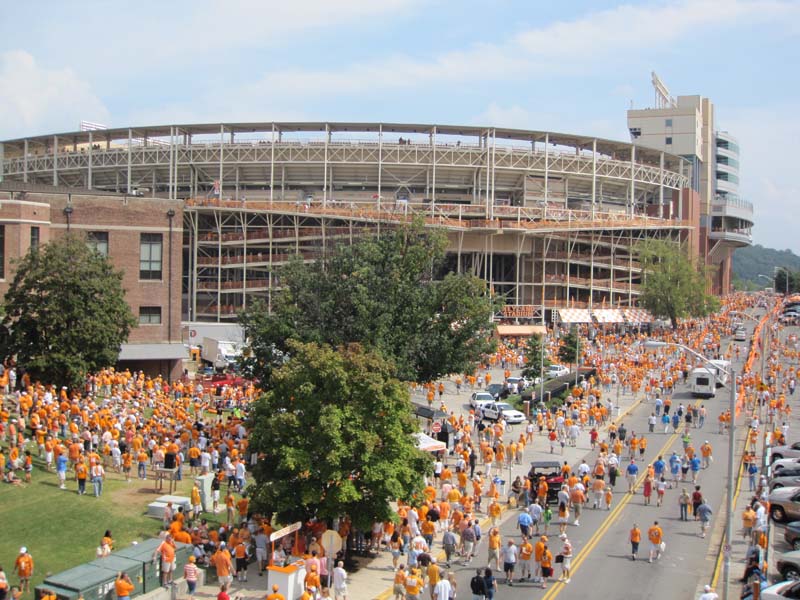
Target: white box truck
220,354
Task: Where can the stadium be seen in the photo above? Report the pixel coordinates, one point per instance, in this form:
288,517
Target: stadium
549,220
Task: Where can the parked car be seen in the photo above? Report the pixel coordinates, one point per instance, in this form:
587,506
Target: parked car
557,371
779,452
785,463
551,471
494,410
740,335
785,479
784,504
495,389
479,399
788,564
791,535
781,591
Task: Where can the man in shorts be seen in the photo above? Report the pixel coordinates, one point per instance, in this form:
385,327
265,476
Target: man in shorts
166,550
509,554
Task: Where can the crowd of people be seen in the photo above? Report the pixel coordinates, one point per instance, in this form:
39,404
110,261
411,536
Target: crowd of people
130,426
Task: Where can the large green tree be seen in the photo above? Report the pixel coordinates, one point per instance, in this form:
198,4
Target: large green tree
65,312
389,293
334,437
673,286
569,350
537,357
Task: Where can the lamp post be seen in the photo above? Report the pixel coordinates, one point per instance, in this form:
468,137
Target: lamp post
68,214
731,439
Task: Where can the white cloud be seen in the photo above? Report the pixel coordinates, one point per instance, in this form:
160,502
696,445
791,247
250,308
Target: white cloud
37,99
564,47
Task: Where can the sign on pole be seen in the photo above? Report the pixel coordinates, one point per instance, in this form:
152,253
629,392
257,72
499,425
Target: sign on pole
436,427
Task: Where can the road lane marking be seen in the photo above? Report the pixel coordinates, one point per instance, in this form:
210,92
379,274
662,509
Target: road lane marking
606,525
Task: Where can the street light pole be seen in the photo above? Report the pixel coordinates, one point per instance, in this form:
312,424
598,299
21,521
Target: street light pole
731,456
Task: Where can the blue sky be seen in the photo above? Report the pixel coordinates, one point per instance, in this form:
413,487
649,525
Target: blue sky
574,66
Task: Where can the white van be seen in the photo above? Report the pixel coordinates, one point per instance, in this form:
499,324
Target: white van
702,383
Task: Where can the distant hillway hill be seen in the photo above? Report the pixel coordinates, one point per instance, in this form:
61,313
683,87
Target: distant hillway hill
750,262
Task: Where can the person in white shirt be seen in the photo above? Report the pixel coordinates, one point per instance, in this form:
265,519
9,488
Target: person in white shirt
339,582
443,588
509,555
708,593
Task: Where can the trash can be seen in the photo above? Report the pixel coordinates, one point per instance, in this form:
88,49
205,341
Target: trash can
134,569
151,570
143,554
90,581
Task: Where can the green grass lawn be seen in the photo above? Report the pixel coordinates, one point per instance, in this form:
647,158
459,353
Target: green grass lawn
62,529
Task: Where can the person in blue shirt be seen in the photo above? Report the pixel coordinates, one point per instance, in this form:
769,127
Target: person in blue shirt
524,522
658,467
674,467
676,421
630,474
61,470
694,464
665,422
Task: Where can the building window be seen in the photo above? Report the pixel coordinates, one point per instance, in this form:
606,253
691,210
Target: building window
667,122
150,256
149,315
34,238
2,251
98,241
668,141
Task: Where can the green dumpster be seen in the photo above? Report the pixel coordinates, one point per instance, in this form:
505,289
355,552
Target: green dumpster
90,581
134,569
143,552
61,593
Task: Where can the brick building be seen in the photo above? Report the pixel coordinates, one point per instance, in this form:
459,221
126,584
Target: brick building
142,237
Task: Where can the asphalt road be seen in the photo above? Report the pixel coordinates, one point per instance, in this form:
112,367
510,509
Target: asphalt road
601,566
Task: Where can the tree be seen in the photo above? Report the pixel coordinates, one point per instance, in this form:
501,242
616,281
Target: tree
781,284
537,358
568,351
334,437
673,287
388,293
65,312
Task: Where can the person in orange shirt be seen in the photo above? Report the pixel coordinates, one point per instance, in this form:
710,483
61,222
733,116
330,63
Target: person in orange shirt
166,550
123,586
240,552
656,536
221,560
24,568
81,473
635,537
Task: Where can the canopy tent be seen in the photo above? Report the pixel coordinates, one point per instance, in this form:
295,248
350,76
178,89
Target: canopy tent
574,315
608,315
427,444
521,330
637,316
